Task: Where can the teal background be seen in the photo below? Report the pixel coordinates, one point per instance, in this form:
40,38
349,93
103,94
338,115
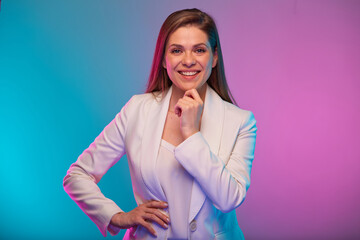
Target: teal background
67,67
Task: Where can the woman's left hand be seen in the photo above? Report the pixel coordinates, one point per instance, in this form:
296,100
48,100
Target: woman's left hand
189,108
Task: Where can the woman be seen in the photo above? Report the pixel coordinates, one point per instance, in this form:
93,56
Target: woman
189,148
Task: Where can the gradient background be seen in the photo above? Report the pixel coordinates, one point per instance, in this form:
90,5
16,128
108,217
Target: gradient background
67,67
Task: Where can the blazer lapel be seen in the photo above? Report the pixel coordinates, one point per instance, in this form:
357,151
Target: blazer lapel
211,129
212,119
150,145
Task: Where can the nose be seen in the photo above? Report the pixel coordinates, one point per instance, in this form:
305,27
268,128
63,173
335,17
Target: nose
188,59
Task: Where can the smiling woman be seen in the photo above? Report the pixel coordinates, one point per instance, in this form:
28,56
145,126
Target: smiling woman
190,150
189,60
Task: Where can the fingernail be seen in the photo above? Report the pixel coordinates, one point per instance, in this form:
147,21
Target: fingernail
167,219
165,204
165,225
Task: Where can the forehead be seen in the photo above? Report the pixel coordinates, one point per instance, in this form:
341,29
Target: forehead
188,35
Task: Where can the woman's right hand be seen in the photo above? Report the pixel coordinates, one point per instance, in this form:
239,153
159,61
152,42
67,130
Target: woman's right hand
142,215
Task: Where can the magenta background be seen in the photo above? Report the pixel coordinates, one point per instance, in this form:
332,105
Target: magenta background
67,67
302,82
297,67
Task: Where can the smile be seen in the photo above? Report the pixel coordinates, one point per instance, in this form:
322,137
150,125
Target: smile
189,73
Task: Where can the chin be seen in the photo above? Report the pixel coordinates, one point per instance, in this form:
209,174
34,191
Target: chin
185,88
187,85
191,85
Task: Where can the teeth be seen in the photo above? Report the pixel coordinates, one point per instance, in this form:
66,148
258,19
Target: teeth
188,73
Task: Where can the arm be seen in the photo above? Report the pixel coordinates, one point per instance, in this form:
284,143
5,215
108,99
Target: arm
224,184
82,177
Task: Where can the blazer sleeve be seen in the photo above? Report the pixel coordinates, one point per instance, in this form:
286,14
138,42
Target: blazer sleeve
83,175
224,184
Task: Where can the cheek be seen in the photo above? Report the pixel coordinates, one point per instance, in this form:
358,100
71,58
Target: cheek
169,68
168,63
209,64
206,61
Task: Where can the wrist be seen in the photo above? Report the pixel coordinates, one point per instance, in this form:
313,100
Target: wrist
115,218
189,133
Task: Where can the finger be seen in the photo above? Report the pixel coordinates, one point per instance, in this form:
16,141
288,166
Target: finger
189,95
156,204
190,101
148,227
159,214
178,111
186,102
154,218
180,106
193,93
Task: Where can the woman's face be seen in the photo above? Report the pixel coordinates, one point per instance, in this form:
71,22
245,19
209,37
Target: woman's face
189,58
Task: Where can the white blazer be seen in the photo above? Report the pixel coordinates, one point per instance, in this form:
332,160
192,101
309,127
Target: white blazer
219,157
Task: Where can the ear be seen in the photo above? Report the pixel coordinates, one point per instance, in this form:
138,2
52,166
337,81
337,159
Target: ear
215,58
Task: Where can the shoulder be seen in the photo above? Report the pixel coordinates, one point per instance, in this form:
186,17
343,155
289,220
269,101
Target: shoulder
139,101
141,98
241,116
233,115
139,105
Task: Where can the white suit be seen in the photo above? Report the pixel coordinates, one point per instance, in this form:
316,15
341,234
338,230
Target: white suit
219,158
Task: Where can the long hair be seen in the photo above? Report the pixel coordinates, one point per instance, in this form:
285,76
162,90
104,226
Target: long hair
159,79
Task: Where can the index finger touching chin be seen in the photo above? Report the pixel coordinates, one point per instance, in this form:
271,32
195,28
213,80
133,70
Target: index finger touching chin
193,93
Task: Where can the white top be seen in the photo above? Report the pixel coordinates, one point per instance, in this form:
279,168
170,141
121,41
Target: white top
176,183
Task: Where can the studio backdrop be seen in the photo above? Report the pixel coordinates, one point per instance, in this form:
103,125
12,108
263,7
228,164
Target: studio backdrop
68,67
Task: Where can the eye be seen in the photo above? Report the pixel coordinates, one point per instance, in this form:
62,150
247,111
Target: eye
200,50
175,51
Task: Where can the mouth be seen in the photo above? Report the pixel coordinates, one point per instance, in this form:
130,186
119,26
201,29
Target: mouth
188,73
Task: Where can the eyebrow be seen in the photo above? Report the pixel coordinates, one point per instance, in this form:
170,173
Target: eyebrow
196,45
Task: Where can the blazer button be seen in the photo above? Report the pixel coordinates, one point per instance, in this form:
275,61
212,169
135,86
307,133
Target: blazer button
193,226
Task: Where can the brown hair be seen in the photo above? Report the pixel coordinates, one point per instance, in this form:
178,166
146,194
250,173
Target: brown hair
159,79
